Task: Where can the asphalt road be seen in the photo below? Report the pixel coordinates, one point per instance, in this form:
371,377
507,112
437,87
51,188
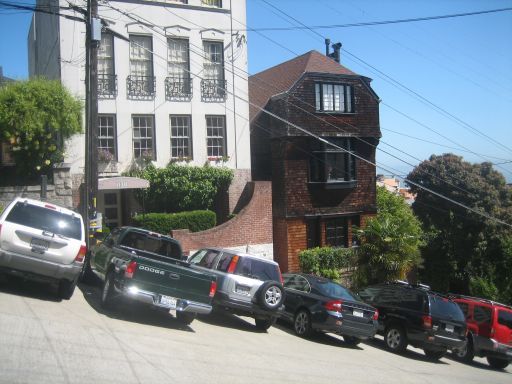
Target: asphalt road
45,340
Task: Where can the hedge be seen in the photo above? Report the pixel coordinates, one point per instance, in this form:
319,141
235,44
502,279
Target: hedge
165,222
326,261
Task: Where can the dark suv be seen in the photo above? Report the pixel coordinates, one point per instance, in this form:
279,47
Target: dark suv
489,331
413,314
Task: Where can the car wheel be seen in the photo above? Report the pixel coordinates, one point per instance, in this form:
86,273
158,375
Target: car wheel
86,272
434,355
271,295
302,323
185,318
351,340
66,289
497,363
264,324
107,293
465,354
395,339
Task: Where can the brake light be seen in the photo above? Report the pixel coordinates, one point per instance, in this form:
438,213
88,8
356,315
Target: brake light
427,321
130,269
232,264
50,206
213,288
80,256
333,305
376,315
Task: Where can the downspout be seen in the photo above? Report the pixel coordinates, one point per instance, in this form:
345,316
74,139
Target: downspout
233,80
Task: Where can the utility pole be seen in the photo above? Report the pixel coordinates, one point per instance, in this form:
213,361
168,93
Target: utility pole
93,38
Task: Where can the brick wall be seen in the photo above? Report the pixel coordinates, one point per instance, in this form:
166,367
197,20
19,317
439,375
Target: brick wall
253,225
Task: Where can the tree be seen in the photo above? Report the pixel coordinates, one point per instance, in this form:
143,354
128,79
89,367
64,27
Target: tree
389,242
36,116
465,252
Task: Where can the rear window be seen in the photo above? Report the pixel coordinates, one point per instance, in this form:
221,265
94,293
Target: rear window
330,289
505,318
445,308
257,269
160,245
46,219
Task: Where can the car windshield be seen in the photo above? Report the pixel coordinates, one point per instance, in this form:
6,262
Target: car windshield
443,307
257,269
46,219
330,289
505,318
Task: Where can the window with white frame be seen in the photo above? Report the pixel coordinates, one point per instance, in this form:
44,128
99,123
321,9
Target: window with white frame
212,3
143,137
107,137
181,137
213,60
334,98
178,68
216,136
106,54
141,56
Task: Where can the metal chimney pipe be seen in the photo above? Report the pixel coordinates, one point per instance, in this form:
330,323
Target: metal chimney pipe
337,48
327,43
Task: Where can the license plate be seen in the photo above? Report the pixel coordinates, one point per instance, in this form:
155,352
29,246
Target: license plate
243,290
168,301
358,313
449,328
39,245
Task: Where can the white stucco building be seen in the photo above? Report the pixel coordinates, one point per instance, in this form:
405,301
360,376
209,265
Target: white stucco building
168,77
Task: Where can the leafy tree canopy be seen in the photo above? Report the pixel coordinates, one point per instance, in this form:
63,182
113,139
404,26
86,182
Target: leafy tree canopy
389,242
465,252
36,116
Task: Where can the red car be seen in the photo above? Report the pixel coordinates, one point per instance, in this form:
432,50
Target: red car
489,331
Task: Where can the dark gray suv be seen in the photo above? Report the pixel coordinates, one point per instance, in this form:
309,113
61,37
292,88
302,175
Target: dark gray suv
247,285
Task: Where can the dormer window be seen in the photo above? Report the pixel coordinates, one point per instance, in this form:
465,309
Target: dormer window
337,98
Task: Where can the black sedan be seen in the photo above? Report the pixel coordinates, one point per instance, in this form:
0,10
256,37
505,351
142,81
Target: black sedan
316,303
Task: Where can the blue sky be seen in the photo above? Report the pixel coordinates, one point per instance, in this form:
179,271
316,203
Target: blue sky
461,65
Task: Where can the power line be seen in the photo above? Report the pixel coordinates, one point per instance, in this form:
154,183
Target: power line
307,132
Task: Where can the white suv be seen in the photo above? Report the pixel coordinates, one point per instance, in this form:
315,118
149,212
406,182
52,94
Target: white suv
42,241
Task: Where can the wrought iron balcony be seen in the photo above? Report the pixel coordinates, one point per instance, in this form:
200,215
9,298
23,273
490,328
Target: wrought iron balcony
141,87
107,86
213,90
178,88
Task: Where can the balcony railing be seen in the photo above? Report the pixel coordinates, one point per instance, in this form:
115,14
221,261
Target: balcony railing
107,86
141,87
213,90
178,88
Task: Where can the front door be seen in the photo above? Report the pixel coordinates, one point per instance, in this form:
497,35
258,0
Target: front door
109,203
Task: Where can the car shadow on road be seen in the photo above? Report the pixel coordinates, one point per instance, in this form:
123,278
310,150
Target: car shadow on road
318,337
131,311
228,320
19,286
476,364
378,342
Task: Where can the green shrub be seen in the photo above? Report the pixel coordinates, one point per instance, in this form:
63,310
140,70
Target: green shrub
326,261
178,188
165,222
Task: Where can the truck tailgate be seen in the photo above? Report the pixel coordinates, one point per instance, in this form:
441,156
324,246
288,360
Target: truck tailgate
172,278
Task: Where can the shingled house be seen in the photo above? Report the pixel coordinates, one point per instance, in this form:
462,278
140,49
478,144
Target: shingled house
323,123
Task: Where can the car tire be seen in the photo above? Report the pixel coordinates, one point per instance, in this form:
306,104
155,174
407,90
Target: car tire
185,318
86,274
351,340
66,289
434,354
271,295
465,354
107,292
395,338
264,324
497,363
302,323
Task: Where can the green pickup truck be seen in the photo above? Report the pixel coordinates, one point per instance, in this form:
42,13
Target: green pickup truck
145,266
